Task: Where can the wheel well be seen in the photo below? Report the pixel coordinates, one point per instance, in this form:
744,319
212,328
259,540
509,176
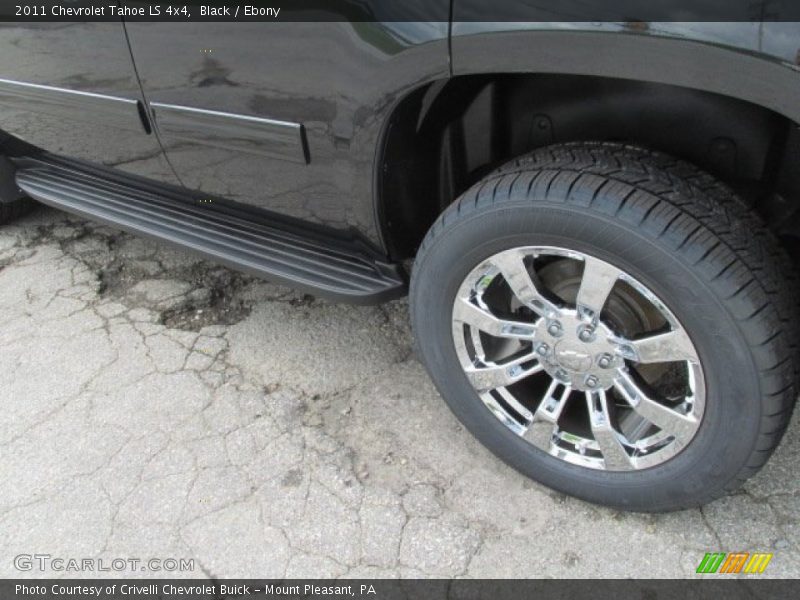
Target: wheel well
444,137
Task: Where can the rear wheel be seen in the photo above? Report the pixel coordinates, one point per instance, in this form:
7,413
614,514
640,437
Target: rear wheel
611,322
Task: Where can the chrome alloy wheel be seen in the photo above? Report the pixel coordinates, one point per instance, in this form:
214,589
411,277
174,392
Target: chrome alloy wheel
579,358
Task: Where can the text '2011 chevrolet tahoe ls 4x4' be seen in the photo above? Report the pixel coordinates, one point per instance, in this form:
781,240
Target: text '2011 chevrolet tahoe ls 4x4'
595,220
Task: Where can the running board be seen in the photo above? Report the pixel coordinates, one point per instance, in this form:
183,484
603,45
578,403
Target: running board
317,263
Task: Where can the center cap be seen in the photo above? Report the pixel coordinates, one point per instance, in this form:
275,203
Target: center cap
571,357
573,361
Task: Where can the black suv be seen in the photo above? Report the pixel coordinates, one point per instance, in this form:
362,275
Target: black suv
595,220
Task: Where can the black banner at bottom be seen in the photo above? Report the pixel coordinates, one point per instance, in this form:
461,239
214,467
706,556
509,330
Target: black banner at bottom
388,589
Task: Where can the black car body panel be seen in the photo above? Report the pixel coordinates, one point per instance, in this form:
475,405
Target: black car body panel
751,61
324,101
72,89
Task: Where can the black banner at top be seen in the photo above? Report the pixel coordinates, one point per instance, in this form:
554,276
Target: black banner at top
403,10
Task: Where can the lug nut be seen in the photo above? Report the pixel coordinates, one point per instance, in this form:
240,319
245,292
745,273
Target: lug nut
543,350
515,370
555,329
605,361
562,375
591,381
586,334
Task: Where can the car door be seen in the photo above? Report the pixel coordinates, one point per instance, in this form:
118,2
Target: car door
71,89
284,116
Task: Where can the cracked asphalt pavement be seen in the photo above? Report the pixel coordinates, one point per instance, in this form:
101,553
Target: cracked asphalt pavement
156,405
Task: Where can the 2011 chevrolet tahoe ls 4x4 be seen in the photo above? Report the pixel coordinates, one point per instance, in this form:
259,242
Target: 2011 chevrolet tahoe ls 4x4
595,221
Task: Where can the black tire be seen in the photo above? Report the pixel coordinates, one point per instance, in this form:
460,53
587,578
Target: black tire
690,240
13,210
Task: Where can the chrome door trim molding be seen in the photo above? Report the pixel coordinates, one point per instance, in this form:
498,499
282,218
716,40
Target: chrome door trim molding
282,140
118,112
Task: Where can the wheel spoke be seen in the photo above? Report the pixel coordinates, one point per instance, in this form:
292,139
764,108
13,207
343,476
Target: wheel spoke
545,419
473,315
674,345
615,456
515,273
501,413
490,377
598,279
512,401
680,426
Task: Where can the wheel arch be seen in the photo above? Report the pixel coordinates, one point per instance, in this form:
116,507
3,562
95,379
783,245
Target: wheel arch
737,60
441,137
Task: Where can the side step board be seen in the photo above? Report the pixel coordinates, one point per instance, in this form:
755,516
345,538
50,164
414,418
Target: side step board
323,265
